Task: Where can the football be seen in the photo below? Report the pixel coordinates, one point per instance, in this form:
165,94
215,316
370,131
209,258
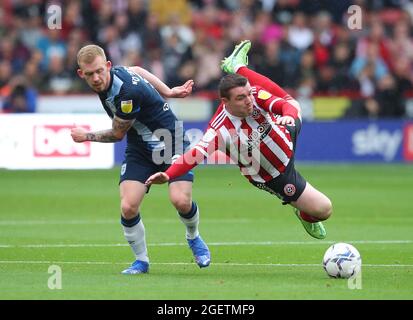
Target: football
342,260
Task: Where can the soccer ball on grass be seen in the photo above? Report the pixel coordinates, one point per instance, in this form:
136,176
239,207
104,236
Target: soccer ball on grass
342,260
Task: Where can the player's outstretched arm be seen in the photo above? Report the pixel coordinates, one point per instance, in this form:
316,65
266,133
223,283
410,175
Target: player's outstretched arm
182,91
257,79
119,129
276,105
176,92
181,166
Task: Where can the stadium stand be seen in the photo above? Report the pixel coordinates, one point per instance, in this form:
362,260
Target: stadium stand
305,46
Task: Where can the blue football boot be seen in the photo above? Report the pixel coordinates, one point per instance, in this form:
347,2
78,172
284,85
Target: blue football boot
200,251
137,267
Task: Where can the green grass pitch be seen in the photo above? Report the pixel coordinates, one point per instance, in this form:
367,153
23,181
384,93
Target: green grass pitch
259,249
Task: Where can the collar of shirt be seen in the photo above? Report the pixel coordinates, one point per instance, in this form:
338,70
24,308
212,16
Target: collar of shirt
231,116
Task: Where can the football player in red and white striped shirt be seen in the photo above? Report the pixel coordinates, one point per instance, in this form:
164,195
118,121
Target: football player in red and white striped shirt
256,125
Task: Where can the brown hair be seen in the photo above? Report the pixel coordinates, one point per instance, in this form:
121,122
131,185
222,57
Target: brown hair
229,82
88,53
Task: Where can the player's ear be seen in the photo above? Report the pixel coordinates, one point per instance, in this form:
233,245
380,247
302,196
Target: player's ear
80,73
109,64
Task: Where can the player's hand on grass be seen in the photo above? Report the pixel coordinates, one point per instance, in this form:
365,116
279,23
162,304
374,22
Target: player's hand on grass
157,178
78,134
286,121
182,91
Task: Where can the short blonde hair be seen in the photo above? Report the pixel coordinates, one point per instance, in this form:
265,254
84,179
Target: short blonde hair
88,53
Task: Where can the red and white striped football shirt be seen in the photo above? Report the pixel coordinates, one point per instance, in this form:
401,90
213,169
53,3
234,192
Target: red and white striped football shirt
261,148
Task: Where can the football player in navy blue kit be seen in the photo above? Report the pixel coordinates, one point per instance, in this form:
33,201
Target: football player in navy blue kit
135,101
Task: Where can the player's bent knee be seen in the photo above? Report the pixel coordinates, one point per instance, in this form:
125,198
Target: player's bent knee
182,204
129,210
325,210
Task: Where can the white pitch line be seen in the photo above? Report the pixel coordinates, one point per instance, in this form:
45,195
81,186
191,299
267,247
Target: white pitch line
229,264
236,243
109,221
52,222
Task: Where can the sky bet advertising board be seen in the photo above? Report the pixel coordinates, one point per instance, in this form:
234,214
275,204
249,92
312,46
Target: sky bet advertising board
337,141
42,141
356,141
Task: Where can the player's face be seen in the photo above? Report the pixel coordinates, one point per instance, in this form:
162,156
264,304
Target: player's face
96,74
240,102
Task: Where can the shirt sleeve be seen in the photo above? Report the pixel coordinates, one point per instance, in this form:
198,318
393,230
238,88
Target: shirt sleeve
190,159
273,104
128,106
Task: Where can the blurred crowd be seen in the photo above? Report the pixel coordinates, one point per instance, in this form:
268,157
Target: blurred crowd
307,47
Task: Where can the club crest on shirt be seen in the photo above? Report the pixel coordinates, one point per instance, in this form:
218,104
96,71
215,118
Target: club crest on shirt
255,113
126,106
289,189
264,95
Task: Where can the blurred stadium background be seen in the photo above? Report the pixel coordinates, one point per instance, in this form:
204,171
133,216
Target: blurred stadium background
350,78
355,86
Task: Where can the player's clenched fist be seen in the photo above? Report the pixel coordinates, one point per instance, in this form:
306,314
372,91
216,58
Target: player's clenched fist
78,134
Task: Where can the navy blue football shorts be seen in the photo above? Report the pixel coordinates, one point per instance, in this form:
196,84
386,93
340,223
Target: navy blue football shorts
136,167
289,185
